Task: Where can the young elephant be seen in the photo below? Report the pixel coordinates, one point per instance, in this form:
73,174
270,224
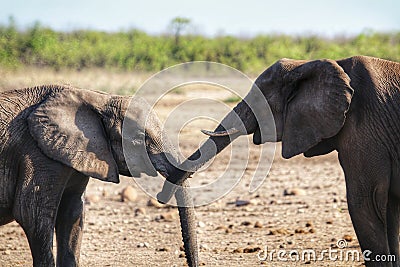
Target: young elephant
350,105
53,138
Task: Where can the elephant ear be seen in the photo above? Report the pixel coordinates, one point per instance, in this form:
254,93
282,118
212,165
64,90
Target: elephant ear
318,97
69,130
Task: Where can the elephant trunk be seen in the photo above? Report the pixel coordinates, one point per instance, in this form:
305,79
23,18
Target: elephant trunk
165,163
188,226
186,212
239,121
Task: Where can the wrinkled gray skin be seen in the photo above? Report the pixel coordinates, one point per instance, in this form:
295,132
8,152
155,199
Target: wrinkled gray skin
52,139
350,105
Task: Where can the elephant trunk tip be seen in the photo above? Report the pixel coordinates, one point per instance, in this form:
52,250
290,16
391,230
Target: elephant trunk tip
166,193
171,184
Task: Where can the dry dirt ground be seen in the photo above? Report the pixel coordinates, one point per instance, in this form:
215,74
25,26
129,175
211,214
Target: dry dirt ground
119,233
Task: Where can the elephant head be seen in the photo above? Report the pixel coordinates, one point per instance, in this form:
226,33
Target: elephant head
100,135
308,101
83,129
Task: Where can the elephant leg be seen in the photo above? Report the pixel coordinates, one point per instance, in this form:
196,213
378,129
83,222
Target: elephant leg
393,218
37,197
371,230
69,223
40,239
36,215
367,185
5,216
370,225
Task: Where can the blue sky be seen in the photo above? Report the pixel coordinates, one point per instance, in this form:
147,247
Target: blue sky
210,17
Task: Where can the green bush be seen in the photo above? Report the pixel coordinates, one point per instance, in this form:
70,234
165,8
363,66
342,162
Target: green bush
136,50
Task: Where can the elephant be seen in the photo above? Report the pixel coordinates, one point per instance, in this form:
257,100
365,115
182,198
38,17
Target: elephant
53,139
350,105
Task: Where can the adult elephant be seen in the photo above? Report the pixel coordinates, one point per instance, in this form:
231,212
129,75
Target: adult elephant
350,105
52,139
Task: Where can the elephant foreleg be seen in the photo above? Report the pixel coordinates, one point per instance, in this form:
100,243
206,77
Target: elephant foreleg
370,224
38,194
36,213
69,223
40,239
393,218
367,185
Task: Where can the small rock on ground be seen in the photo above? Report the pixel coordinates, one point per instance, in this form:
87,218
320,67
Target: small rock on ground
128,194
294,192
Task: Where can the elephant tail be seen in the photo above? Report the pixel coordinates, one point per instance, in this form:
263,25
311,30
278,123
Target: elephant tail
188,225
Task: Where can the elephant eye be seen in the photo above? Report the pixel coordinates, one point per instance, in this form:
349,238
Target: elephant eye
136,139
137,142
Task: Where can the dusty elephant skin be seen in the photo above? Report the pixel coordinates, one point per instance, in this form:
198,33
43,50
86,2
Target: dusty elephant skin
350,105
53,138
